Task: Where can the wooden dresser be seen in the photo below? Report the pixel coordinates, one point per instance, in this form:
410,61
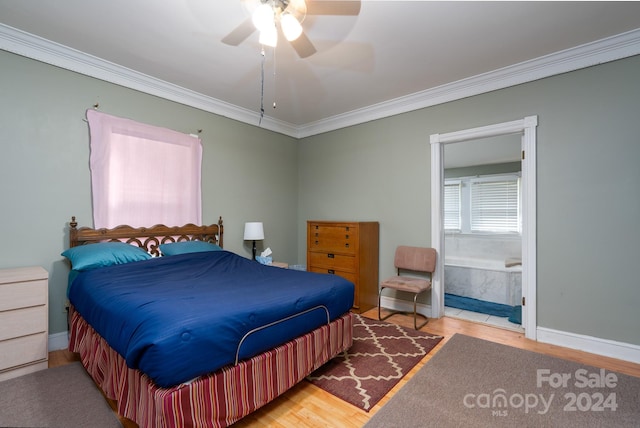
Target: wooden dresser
348,249
24,321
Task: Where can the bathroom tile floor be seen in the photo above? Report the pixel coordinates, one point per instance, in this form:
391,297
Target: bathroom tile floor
482,318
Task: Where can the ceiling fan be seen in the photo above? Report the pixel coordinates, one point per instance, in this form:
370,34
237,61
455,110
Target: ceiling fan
269,15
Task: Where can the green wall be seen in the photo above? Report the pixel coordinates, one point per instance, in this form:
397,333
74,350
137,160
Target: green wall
587,189
588,178
248,173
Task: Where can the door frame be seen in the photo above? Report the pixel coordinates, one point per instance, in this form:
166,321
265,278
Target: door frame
527,128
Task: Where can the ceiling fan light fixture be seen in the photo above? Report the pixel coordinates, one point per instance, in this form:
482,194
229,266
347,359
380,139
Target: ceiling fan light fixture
291,27
263,17
269,36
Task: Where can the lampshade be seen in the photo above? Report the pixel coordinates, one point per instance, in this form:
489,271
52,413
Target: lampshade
253,231
290,27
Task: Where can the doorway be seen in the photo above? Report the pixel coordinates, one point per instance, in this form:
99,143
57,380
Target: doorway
526,128
483,235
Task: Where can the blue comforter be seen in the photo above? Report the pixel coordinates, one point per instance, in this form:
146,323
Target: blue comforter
178,317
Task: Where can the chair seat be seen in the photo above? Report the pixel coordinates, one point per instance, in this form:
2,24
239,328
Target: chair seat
406,283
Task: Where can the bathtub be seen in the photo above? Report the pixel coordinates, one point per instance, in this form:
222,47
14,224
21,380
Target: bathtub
483,279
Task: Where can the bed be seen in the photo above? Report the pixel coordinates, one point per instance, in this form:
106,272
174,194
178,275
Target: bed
179,332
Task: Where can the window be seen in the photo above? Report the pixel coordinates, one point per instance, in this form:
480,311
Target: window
488,204
142,175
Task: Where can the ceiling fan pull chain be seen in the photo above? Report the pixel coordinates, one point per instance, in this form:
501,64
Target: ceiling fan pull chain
261,87
274,78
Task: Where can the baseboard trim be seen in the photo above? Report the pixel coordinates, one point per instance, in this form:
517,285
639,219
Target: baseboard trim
394,304
58,341
594,345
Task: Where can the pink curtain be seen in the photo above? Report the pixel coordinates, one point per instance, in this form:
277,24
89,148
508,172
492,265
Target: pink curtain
143,175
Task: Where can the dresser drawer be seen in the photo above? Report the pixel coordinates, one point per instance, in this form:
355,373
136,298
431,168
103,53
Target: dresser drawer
349,276
23,350
23,294
22,322
332,261
333,238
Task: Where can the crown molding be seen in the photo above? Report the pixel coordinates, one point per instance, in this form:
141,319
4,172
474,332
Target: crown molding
40,49
605,50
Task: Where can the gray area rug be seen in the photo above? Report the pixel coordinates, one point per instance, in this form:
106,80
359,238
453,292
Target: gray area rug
62,397
475,383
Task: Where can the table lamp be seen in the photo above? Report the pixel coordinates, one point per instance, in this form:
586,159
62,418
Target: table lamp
253,231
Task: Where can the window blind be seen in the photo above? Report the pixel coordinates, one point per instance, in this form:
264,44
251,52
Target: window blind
452,216
495,206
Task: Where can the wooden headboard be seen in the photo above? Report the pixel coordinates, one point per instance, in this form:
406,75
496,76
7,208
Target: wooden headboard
147,238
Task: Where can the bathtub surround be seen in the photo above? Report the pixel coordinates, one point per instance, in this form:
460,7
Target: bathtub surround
484,267
497,248
493,284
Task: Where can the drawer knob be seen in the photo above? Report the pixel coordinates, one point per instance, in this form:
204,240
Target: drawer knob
346,245
331,256
346,236
331,271
316,242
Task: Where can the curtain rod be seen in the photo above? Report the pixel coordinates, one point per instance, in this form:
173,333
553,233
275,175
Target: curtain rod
96,106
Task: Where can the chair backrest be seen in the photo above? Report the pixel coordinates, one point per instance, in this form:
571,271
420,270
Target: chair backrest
417,259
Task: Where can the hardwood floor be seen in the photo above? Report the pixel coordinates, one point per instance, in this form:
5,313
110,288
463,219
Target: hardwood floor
306,405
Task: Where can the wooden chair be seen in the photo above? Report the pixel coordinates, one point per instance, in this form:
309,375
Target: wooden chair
415,259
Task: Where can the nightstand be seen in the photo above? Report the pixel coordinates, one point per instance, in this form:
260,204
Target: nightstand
24,321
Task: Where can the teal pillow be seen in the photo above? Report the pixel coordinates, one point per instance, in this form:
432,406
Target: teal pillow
91,256
183,247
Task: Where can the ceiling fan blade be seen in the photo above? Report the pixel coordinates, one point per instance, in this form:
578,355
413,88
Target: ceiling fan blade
320,7
240,33
303,46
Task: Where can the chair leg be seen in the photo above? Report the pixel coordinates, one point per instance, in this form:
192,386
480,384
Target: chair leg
415,313
379,299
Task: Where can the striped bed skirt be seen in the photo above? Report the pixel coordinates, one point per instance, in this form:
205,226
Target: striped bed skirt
215,400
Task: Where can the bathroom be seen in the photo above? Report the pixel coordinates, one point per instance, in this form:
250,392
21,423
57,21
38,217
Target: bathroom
483,241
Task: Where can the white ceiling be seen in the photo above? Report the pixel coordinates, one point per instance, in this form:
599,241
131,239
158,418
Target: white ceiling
367,66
